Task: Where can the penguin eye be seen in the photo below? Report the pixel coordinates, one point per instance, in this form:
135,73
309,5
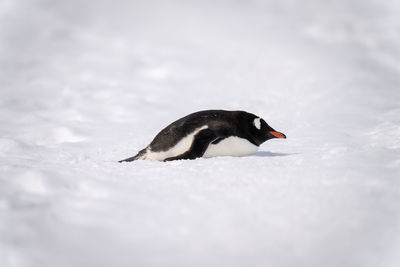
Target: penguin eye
257,123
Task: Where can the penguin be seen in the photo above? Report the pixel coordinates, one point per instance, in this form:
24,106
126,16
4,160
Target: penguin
209,133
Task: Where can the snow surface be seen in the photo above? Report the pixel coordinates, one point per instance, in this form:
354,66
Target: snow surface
86,83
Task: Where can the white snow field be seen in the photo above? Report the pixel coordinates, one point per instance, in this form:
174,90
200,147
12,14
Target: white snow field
84,84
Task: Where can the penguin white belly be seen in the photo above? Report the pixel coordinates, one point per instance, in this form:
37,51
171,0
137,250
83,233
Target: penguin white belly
179,148
231,146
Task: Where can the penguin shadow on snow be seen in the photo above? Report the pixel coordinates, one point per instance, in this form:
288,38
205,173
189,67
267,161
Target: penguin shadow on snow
268,154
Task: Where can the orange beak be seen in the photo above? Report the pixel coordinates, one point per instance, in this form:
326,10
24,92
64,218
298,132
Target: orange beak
277,134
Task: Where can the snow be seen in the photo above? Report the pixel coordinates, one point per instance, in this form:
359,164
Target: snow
84,84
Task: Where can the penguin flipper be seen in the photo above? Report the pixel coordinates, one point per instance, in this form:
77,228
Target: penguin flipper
200,144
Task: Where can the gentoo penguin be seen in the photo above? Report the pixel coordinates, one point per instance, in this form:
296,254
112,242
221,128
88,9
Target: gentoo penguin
209,133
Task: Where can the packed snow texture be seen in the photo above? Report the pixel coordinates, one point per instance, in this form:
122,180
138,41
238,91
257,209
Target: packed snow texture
84,84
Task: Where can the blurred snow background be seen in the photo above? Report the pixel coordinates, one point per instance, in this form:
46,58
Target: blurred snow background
86,83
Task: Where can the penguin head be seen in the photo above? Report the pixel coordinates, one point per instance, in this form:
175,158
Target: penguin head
259,131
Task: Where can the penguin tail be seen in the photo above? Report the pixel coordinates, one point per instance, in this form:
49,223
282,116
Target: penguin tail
139,155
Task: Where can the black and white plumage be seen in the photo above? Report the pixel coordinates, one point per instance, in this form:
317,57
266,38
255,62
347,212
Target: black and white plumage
209,133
